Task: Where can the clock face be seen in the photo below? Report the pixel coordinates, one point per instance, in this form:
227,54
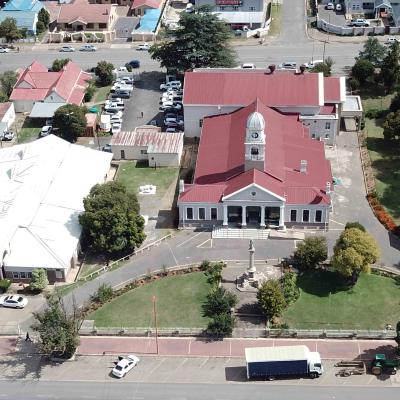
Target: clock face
254,135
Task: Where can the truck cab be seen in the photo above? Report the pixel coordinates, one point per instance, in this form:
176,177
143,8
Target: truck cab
315,365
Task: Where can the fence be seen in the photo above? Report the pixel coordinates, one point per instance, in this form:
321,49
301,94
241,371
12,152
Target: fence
348,30
243,333
135,253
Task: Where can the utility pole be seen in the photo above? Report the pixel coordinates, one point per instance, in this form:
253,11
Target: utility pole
155,321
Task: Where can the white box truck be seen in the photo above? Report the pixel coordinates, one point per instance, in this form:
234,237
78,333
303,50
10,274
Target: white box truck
273,362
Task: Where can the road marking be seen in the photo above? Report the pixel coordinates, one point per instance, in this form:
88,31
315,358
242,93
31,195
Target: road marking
173,255
188,240
202,245
295,243
336,222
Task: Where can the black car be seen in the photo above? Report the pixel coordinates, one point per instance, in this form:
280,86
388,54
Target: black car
133,64
123,94
172,110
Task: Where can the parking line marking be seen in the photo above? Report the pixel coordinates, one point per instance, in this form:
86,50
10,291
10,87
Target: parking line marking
173,255
336,222
201,245
188,240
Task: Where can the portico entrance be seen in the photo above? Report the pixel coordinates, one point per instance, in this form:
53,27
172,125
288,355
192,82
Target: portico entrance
253,215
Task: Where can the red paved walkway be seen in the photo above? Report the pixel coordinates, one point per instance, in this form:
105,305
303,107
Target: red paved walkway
193,347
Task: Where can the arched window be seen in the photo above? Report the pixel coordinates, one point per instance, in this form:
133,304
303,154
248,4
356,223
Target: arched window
254,151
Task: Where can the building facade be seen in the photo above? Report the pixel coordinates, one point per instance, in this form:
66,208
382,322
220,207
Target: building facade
257,167
239,14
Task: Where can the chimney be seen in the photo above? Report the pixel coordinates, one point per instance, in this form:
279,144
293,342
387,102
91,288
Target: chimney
302,69
328,188
272,68
303,166
181,186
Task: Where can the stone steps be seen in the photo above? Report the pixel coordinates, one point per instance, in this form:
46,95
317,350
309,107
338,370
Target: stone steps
231,233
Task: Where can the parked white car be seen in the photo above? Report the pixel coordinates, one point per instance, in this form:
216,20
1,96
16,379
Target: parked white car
171,85
45,131
288,65
313,63
13,301
125,364
143,47
248,66
4,49
67,49
391,40
115,119
339,7
359,22
116,128
329,6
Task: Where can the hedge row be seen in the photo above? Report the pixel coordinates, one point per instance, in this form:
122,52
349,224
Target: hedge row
383,216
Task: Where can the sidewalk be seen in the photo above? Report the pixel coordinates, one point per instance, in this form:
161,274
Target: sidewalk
194,347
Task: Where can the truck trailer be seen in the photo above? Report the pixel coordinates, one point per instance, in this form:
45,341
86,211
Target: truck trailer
272,362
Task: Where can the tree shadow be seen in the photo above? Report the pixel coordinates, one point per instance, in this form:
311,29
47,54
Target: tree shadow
236,374
150,80
322,283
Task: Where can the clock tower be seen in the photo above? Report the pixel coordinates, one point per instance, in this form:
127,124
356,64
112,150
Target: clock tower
254,144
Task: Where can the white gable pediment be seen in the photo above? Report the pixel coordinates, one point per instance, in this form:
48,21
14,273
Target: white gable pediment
253,192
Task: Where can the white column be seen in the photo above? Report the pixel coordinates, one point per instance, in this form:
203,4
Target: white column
244,216
225,223
282,218
262,223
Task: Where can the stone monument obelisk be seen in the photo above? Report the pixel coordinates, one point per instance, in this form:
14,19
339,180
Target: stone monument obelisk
252,269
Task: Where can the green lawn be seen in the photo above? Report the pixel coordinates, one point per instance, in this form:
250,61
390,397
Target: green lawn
276,14
325,303
385,158
101,94
179,304
134,174
29,131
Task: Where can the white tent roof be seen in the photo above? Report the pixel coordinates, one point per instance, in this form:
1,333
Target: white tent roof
44,110
241,17
43,184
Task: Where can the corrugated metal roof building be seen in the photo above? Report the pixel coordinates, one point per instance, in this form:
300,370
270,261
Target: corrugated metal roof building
147,142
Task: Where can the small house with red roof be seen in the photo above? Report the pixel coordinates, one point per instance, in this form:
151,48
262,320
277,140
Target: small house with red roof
317,101
139,7
257,166
41,92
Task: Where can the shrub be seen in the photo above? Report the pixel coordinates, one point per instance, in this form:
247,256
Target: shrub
219,301
289,287
375,113
221,325
213,271
311,252
39,280
4,285
103,293
355,224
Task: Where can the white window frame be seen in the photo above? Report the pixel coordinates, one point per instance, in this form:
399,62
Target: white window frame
211,218
15,275
315,216
22,275
290,215
302,214
186,213
198,214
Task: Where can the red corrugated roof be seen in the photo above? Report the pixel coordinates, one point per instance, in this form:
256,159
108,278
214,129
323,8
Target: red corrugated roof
202,194
332,89
148,3
84,11
36,83
328,109
238,87
221,158
4,107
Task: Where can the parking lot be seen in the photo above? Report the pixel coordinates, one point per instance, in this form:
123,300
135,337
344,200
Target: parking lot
338,17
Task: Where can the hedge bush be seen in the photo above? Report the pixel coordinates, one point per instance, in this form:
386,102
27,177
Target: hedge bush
4,285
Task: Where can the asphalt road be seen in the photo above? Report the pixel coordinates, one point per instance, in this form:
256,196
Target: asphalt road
137,391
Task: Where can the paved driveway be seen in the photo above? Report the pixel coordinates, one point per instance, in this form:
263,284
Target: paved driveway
125,25
332,16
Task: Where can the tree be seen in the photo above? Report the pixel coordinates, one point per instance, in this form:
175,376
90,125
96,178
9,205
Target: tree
201,40
391,126
58,330
395,103
59,64
9,30
219,301
221,325
39,279
111,222
390,69
70,121
103,293
90,90
8,79
325,67
40,28
356,225
104,73
354,251
271,299
44,18
311,252
373,51
213,271
362,70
